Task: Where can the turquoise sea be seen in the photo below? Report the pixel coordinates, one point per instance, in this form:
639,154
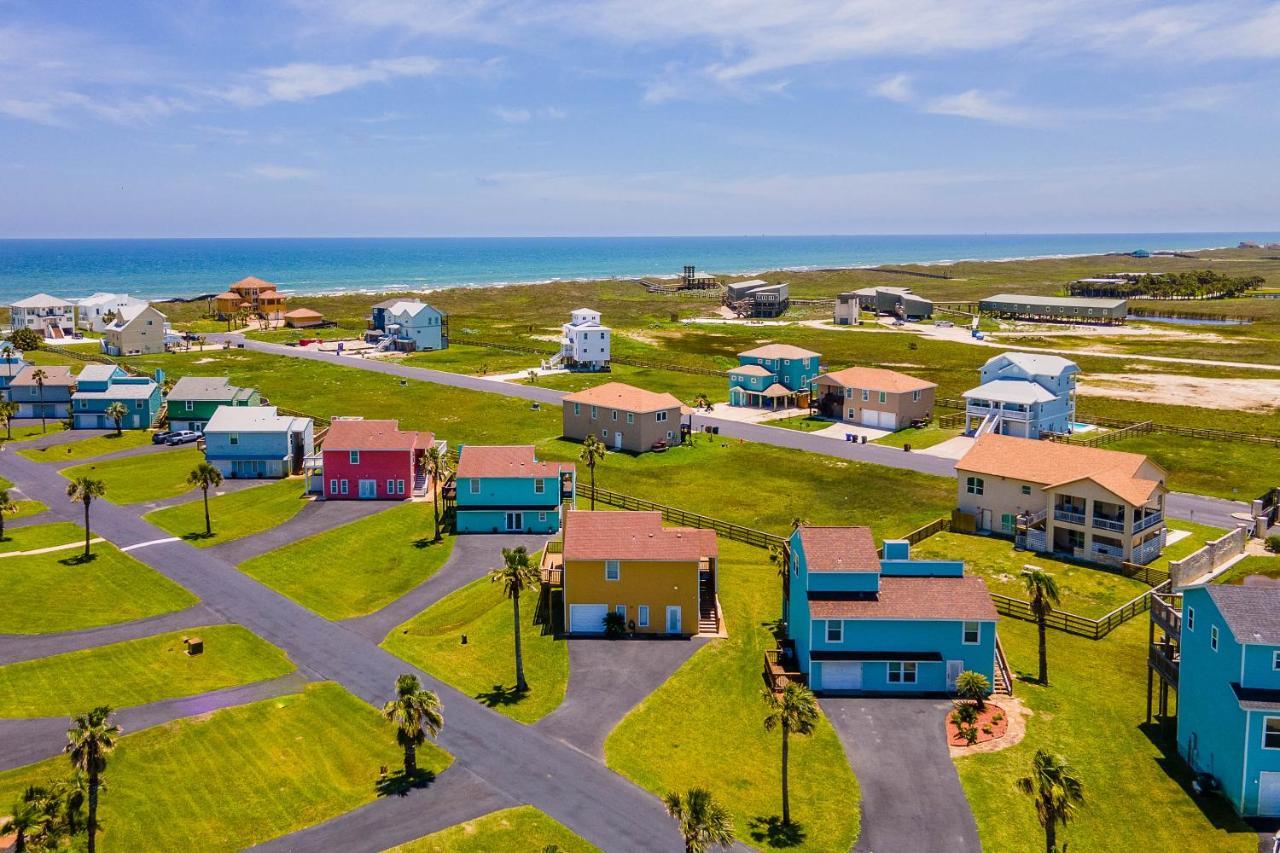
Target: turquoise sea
156,269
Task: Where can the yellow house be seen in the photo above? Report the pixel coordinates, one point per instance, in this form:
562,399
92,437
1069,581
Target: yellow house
661,579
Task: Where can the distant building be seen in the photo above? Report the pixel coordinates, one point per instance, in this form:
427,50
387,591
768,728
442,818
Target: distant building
249,442
870,396
11,364
303,318
584,342
47,398
1023,394
690,279
507,489
773,376
193,400
757,298
1055,308
622,416
410,326
375,460
252,295
137,329
882,300
101,386
96,312
48,316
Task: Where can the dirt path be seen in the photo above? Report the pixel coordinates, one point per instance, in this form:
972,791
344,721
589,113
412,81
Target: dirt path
1250,395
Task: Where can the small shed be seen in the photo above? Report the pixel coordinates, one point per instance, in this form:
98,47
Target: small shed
303,318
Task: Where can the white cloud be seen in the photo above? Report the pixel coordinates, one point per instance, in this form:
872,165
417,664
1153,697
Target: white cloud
276,172
896,88
301,81
984,106
523,115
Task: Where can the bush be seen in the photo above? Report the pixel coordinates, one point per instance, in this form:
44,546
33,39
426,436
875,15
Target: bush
27,340
997,717
970,734
964,715
615,625
1273,544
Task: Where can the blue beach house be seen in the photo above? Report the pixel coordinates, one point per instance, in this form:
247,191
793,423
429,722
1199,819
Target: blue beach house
11,363
99,386
505,489
774,376
1023,394
860,623
408,326
1221,652
247,442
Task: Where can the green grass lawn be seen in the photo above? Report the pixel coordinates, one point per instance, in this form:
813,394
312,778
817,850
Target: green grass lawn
921,438
88,448
45,593
1187,545
685,386
137,672
359,567
1092,713
520,828
241,776
704,726
485,666
39,536
234,515
26,508
1085,591
477,361
803,423
1224,469
136,479
29,430
1267,566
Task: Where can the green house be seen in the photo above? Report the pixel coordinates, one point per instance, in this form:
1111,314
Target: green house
194,399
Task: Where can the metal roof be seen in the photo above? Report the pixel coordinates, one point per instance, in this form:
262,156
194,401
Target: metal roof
1021,391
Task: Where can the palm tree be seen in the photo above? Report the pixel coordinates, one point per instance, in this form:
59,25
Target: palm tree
703,822
973,685
516,574
84,490
794,712
31,819
90,740
8,506
117,412
593,451
1056,789
437,469
415,713
1043,591
40,376
8,411
205,476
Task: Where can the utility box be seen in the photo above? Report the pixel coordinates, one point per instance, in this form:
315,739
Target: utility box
195,645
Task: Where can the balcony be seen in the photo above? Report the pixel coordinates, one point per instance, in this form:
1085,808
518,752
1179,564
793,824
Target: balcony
1148,551
1148,521
1164,659
1007,414
1102,549
1068,515
1108,523
780,669
1167,616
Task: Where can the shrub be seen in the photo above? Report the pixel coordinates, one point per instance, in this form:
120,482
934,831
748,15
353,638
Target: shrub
986,730
970,734
997,717
964,715
615,625
1273,543
973,685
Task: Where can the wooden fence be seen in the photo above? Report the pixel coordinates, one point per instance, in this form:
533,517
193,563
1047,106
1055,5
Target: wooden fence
736,532
1107,437
630,362
951,421
1072,623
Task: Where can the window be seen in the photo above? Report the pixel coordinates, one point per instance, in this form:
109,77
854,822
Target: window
1026,490
399,487
542,516
866,395
621,610
391,487
1271,733
475,486
189,405
345,487
971,633
631,418
353,456
594,412
577,409
902,672
1213,637
604,433
1191,618
1275,660
670,435
233,438
973,485
137,404
848,393
615,414
915,396
333,487
661,417
612,570
84,404
883,396
539,487
835,631
642,616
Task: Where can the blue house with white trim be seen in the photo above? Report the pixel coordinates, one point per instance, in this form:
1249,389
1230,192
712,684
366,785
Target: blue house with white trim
1221,652
248,442
1023,394
99,386
865,624
505,489
773,376
11,364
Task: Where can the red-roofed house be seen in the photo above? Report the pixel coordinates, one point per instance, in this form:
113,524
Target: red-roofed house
375,461
662,580
505,489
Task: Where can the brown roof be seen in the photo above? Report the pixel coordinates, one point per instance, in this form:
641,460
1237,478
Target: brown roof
506,461
877,379
54,374
253,282
1051,464
839,549
227,295
779,351
347,434
633,536
628,398
964,598
304,313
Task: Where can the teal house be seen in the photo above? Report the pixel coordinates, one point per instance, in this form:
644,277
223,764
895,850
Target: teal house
194,399
100,385
505,489
11,364
1221,652
774,376
859,623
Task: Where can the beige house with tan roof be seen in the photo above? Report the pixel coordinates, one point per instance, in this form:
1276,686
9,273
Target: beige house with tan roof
622,416
874,397
1092,504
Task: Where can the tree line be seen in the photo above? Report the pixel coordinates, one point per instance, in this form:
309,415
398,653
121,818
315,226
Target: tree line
1195,284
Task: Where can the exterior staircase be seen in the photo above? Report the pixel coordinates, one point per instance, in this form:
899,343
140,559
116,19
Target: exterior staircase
420,482
1003,683
162,416
991,423
708,607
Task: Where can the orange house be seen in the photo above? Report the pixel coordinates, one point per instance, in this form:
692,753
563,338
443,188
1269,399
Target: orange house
252,294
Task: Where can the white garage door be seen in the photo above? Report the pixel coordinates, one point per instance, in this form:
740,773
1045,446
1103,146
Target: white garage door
888,420
587,618
870,418
841,676
1269,794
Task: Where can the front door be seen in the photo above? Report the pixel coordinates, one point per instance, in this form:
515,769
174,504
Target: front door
673,620
368,490
984,519
1269,794
515,521
954,668
617,439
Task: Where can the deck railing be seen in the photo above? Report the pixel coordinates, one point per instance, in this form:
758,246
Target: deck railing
1002,666
1073,623
776,674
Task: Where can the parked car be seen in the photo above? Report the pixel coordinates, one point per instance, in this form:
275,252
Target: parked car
182,436
161,436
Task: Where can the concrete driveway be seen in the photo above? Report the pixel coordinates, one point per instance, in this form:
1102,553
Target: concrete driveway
911,795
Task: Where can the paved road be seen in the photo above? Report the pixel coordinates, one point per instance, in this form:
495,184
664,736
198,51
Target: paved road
911,795
524,764
19,647
1205,510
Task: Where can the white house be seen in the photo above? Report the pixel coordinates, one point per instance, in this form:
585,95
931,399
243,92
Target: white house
416,326
137,329
96,312
1023,394
584,343
48,315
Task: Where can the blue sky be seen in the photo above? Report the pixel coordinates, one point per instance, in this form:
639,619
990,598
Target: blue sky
584,117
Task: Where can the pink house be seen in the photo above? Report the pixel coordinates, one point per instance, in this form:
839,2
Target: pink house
374,461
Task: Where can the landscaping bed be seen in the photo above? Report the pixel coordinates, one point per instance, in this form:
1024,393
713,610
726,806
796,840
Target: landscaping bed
991,723
137,479
235,514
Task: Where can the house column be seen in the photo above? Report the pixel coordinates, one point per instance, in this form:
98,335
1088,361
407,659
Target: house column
1130,519
1088,526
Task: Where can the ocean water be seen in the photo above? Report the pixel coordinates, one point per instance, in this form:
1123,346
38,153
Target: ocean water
156,269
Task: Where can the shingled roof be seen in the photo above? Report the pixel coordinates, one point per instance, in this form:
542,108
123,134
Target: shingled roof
633,536
839,549
962,599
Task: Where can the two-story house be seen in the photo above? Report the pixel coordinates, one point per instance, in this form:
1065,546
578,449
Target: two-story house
46,397
622,416
48,316
860,623
1220,650
253,295
506,489
100,386
1023,394
773,376
11,364
375,460
873,397
96,312
253,442
194,399
661,580
1105,506
137,329
584,342
414,327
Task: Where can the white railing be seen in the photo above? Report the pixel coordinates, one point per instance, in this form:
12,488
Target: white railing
1109,524
1068,515
1148,551
1148,521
